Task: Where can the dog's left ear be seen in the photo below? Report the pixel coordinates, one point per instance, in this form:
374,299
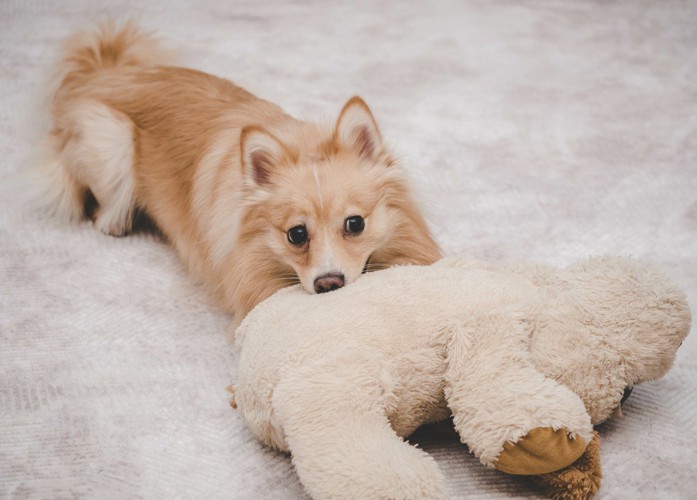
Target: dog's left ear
261,153
357,129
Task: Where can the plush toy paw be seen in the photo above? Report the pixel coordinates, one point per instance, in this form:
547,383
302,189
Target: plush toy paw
540,451
579,481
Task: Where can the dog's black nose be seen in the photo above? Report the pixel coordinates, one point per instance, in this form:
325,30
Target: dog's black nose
328,282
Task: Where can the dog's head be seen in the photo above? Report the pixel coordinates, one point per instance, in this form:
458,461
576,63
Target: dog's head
329,203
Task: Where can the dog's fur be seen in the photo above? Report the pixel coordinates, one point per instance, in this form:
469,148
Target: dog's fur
224,175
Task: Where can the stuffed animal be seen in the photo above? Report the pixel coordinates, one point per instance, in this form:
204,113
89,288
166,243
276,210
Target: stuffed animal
525,358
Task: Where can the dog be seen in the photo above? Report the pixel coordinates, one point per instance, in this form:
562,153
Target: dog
252,199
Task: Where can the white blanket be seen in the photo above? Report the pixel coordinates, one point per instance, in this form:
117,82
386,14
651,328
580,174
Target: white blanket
540,130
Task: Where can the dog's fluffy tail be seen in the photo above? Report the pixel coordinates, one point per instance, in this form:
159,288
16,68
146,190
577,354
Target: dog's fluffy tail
113,45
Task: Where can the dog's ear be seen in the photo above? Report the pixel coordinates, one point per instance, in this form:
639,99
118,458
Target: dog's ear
261,153
357,129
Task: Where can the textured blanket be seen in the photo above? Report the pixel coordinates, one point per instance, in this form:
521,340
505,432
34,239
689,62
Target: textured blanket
537,130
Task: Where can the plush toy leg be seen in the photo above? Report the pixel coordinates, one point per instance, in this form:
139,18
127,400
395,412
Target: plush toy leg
333,415
510,415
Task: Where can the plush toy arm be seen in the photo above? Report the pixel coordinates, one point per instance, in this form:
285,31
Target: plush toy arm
510,415
333,415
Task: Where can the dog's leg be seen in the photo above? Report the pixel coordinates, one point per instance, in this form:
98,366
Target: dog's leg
99,152
334,418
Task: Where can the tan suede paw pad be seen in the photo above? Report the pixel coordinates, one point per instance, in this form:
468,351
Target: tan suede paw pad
540,451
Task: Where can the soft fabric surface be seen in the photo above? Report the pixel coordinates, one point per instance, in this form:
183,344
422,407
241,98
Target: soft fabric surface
540,130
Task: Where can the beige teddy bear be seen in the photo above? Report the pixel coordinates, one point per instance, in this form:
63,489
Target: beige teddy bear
525,358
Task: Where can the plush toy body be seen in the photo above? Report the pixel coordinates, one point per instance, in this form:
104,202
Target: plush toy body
526,358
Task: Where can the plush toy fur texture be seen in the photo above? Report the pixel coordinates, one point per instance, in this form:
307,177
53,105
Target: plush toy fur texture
521,356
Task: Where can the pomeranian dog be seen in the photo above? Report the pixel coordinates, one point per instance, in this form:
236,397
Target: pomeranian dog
252,199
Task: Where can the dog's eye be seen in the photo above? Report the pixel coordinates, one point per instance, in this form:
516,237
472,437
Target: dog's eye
354,224
297,235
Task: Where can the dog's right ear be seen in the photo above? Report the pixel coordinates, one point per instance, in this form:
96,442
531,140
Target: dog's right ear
261,153
356,129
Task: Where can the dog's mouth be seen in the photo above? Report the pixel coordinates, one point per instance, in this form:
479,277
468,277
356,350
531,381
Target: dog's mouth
367,262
